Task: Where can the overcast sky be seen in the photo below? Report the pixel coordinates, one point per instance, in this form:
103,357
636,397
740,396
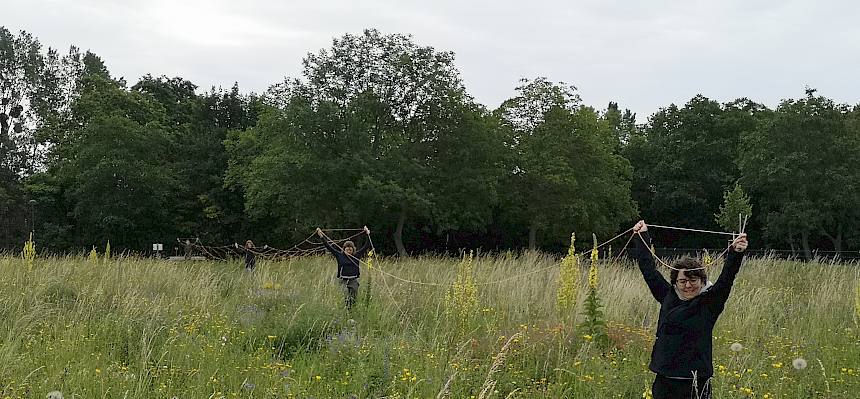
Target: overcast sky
643,54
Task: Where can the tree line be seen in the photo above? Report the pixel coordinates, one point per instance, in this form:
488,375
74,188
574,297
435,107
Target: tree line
381,131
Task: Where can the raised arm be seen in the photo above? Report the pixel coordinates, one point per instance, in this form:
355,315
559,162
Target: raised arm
361,251
326,242
719,293
656,282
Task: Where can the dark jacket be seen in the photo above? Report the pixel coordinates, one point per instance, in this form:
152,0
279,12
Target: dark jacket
685,328
250,257
347,265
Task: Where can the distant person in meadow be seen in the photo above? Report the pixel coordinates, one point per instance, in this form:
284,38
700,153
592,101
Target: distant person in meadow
348,259
250,255
682,355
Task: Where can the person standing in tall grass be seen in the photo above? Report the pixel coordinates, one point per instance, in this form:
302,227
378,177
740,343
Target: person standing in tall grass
250,254
682,356
348,259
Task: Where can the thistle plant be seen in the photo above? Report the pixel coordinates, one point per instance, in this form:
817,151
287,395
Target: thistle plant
461,300
568,279
594,326
29,253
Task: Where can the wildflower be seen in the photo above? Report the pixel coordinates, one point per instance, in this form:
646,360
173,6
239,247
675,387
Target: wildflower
777,365
737,347
29,253
55,395
799,363
461,299
567,280
647,394
94,256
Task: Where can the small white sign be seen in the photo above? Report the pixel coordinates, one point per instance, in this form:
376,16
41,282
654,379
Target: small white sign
158,247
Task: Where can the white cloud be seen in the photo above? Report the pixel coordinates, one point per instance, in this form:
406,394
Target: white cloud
643,54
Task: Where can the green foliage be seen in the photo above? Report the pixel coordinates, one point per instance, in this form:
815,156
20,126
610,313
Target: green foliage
799,165
735,209
685,160
163,329
563,164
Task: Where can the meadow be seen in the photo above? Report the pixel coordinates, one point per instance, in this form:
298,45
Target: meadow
143,328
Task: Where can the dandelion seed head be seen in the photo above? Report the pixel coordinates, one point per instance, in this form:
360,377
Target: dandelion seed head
737,347
799,363
55,395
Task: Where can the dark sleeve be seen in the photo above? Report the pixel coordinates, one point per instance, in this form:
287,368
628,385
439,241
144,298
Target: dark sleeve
719,293
361,252
328,245
656,282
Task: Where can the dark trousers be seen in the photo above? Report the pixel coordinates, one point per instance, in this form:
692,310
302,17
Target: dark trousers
671,388
350,290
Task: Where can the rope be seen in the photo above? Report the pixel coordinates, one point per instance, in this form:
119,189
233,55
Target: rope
662,262
297,251
693,230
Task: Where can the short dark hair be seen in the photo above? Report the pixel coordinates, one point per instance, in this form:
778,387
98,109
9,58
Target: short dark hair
685,263
349,244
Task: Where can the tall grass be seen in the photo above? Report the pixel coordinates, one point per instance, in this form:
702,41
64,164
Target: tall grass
139,328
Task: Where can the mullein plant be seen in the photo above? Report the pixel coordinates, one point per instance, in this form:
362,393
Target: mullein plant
94,256
594,326
857,306
369,279
568,280
107,252
461,300
29,253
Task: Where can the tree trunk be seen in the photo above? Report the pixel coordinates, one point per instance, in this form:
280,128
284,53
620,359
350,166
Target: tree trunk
398,234
533,236
837,241
804,240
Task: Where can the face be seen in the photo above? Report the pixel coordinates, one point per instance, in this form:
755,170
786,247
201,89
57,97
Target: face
349,250
688,286
248,245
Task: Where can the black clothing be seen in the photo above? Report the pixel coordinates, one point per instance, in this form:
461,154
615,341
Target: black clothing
250,260
685,328
347,265
672,388
350,287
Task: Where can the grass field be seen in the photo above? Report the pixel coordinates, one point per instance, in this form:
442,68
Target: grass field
139,328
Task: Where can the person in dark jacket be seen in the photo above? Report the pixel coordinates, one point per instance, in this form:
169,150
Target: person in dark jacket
682,356
250,255
348,260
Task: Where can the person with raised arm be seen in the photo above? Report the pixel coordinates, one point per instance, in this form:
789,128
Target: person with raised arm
348,260
682,356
